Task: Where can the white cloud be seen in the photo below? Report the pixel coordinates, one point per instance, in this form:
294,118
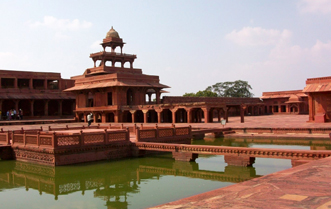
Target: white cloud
61,24
11,61
315,6
249,36
96,45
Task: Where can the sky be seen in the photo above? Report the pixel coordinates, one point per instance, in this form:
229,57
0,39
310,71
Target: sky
189,44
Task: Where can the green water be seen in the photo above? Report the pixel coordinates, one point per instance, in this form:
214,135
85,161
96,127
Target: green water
129,183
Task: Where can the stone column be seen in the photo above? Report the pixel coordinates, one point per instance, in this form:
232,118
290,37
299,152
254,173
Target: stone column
159,119
60,107
31,106
219,115
103,117
189,115
16,105
173,111
242,113
46,107
226,117
30,83
157,95
132,115
145,115
45,84
206,114
311,107
15,83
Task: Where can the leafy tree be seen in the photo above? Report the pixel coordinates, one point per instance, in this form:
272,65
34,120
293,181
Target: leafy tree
205,93
237,88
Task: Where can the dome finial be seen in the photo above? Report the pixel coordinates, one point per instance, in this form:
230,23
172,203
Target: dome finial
112,33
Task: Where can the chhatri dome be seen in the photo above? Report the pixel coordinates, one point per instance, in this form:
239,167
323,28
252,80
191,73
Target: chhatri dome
112,33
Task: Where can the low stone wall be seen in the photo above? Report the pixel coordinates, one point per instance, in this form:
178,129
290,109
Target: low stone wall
283,130
70,148
165,135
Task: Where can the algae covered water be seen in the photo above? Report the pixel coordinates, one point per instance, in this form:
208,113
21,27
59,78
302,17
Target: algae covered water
127,183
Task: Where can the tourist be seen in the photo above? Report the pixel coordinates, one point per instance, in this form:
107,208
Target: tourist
14,114
8,115
89,119
20,114
0,114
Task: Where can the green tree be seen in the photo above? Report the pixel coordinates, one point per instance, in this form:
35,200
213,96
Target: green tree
236,88
204,93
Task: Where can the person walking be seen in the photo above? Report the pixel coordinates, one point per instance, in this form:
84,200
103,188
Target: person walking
89,119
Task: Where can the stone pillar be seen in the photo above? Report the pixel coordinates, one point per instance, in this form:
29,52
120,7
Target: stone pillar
226,117
133,115
15,83
149,97
30,83
242,113
189,115
185,156
145,115
311,107
242,160
16,105
206,114
117,115
31,107
103,117
46,107
219,115
45,84
157,95
60,107
159,115
173,111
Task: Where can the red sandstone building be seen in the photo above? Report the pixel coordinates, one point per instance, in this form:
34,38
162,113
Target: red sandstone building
285,102
118,94
39,95
319,98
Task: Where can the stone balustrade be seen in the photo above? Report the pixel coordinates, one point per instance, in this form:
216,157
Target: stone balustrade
163,134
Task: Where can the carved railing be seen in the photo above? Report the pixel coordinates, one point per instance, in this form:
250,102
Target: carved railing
5,138
157,134
64,140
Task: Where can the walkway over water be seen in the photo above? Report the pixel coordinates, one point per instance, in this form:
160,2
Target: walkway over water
240,156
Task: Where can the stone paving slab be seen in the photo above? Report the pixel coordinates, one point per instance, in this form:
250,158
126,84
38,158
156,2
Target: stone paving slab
304,186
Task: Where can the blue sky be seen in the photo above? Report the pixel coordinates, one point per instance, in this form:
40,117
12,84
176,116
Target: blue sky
190,44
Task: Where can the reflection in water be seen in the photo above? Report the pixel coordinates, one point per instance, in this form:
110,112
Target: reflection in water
134,183
113,182
315,144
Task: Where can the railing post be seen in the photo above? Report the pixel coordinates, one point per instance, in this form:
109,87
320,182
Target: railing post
127,134
137,134
38,138
24,138
122,127
49,128
81,138
105,141
22,130
109,125
8,138
54,140
41,128
157,132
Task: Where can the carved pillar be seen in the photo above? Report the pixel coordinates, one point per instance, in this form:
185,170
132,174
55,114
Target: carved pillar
117,117
30,83
206,114
311,107
103,117
173,111
159,115
226,110
242,113
189,115
157,95
46,107
15,83
133,115
31,107
145,115
60,107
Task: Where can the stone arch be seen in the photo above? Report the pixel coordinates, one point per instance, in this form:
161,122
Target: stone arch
152,116
294,108
139,116
127,116
166,116
67,106
129,97
181,116
25,105
39,107
53,108
110,117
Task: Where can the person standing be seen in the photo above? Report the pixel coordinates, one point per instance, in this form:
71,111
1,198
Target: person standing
20,114
89,119
0,114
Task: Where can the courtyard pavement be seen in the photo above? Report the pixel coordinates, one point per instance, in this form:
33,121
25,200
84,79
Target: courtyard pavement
304,186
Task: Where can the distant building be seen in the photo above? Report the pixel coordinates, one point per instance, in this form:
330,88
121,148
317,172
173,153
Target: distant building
285,102
319,98
116,92
38,94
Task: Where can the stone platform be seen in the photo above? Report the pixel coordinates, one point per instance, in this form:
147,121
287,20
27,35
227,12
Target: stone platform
304,186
